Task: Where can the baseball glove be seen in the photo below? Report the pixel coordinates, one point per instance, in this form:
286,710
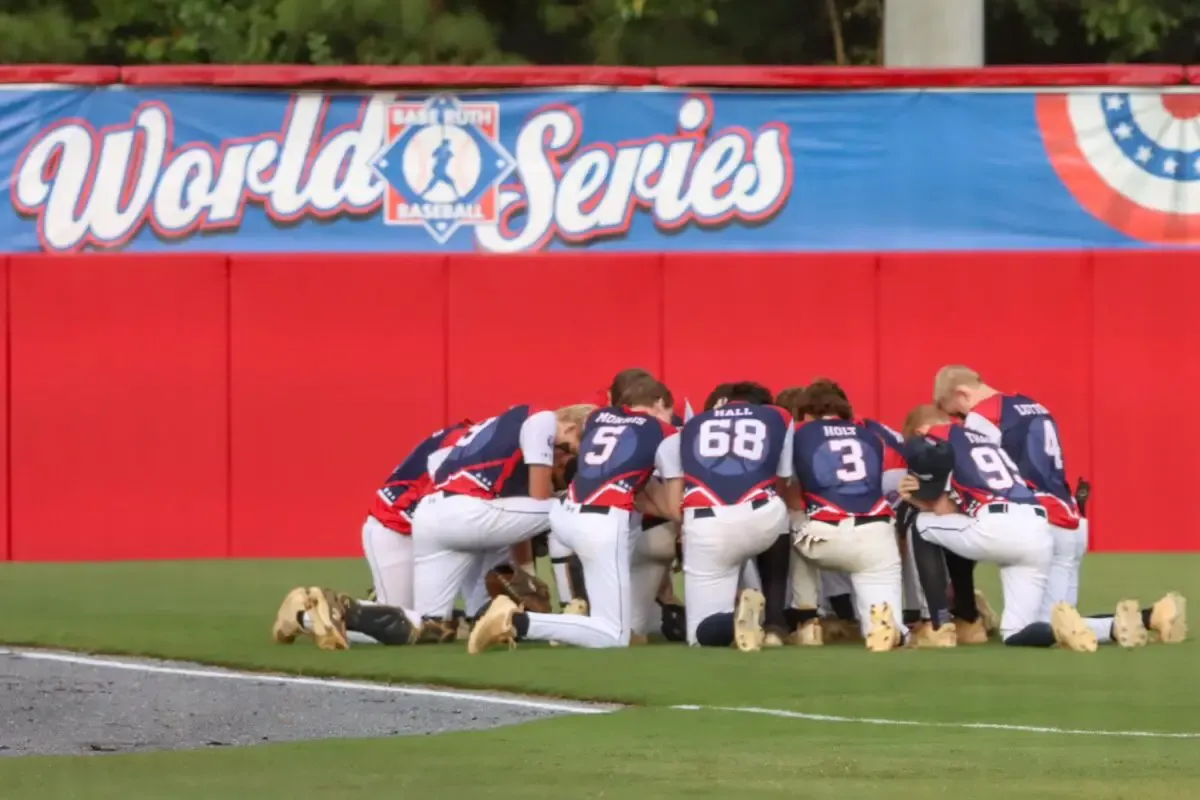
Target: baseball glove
519,586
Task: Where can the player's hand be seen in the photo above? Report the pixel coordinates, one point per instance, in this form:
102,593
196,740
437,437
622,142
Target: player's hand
908,486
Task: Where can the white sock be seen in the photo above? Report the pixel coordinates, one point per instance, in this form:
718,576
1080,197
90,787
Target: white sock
1102,627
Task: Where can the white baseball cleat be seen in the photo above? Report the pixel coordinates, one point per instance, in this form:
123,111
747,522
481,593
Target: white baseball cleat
1070,631
748,632
1128,630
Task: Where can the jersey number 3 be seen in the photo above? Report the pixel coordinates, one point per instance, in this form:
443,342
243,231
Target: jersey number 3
744,438
853,468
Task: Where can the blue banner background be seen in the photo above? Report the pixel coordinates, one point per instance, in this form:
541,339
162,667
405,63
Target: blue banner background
877,171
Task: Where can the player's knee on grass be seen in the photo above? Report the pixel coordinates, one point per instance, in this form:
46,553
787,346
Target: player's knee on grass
715,630
1036,634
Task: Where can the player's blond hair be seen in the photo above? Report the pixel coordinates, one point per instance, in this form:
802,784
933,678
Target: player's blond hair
925,414
951,377
576,414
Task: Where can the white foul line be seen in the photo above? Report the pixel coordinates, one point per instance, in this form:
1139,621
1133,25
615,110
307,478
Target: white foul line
323,683
987,726
546,705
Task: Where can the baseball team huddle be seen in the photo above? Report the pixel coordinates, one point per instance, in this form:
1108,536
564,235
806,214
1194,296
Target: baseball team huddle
793,521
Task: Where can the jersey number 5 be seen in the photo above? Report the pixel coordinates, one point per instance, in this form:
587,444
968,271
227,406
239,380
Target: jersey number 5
604,442
744,438
853,468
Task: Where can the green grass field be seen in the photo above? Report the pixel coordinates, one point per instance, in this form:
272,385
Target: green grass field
220,613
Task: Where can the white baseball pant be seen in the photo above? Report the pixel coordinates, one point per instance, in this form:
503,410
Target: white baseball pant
390,557
867,552
457,539
1069,549
1018,540
651,559
715,550
603,541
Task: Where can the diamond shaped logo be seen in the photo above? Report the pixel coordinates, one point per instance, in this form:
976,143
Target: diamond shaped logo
442,164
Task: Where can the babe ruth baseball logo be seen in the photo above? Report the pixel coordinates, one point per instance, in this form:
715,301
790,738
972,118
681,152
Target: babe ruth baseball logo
441,165
1130,158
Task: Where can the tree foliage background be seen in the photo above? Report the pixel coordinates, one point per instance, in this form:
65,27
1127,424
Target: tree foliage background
611,32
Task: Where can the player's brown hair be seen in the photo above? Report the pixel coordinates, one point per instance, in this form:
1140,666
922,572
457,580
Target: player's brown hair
646,392
826,399
831,385
924,414
949,378
792,400
623,379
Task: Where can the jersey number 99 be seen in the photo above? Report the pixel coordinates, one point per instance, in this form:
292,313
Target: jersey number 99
744,438
997,468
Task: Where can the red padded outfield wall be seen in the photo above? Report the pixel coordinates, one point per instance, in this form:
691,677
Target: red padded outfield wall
213,404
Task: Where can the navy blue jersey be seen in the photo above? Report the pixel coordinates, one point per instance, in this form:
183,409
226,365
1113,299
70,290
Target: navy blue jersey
616,456
409,481
839,466
983,472
734,453
1029,434
486,461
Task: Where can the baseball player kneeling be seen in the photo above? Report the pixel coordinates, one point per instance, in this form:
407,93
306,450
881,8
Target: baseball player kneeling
841,469
734,456
997,517
619,449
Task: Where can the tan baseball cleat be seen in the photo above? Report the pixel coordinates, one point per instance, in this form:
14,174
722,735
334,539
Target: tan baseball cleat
577,607
971,632
463,632
883,636
925,635
1070,631
1128,630
494,627
327,617
987,615
288,623
1168,618
774,637
638,639
809,634
840,631
748,631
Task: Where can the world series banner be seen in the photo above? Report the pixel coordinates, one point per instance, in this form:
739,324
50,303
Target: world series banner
148,170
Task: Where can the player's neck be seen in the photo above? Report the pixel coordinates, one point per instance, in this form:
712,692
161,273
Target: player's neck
983,393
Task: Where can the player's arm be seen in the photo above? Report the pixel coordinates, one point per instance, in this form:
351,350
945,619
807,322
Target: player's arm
435,460
538,434
895,467
668,460
978,423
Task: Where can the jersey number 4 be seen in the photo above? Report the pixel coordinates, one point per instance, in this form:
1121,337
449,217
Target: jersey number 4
1053,449
744,438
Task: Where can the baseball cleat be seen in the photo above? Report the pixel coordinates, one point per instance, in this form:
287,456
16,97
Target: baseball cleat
987,614
883,636
809,634
1070,631
494,627
327,617
838,631
925,635
288,624
1168,618
971,632
577,607
774,637
636,639
1128,630
748,631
